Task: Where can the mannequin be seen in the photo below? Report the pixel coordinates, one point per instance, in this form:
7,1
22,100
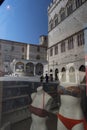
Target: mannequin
70,116
39,109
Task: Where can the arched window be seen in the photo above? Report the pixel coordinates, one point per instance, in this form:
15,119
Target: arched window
69,7
72,77
56,49
39,69
80,38
50,25
38,48
63,76
56,20
51,51
19,67
12,48
30,69
56,74
22,49
51,70
62,14
38,57
78,3
82,68
82,74
70,43
63,47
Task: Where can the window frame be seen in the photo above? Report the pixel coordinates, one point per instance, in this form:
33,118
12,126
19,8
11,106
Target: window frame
63,47
70,43
80,38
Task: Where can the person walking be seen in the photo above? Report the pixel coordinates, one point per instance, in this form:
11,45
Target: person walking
41,79
47,78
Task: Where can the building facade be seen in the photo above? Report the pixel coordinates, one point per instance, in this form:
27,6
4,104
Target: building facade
34,56
10,50
66,40
19,60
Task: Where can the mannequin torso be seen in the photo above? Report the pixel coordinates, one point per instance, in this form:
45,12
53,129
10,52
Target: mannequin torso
70,113
40,107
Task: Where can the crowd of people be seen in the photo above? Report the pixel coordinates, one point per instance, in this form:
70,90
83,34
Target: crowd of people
46,78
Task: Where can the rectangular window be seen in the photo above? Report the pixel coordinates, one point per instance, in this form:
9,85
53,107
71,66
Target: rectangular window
56,49
56,21
38,49
51,26
7,58
70,43
62,15
80,38
12,48
51,51
0,46
69,9
23,57
22,49
63,47
78,3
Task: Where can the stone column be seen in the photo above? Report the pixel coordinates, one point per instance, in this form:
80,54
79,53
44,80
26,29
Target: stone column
34,69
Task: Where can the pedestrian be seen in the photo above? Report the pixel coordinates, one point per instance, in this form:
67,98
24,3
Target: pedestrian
41,78
46,77
51,78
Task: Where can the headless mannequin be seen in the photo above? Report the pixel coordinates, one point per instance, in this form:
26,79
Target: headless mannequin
39,100
70,116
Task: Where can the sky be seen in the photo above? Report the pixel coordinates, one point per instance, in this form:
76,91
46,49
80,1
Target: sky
24,20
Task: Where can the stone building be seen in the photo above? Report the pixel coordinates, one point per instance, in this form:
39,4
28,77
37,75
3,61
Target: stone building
66,40
19,60
10,50
14,55
34,63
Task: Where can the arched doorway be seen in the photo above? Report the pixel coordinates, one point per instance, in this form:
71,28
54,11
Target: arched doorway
39,69
63,76
51,75
82,74
56,74
72,77
19,67
30,69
